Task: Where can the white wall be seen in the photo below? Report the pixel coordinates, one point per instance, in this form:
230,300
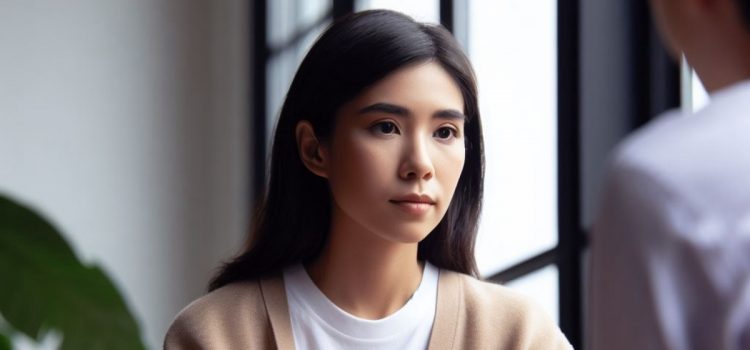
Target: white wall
125,123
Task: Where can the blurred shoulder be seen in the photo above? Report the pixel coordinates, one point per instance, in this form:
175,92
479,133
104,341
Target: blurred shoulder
223,318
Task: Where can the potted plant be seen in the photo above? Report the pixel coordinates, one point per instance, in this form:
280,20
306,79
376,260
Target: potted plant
44,287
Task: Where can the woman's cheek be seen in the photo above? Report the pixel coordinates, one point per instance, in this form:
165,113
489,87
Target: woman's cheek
454,166
361,163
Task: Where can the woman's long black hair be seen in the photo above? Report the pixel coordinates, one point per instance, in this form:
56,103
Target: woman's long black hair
291,225
744,6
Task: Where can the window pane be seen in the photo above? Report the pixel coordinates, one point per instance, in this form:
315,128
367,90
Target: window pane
541,286
312,11
287,20
513,46
280,21
279,76
699,94
692,93
420,10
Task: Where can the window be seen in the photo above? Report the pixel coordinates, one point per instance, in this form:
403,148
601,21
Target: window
420,10
693,94
513,46
293,26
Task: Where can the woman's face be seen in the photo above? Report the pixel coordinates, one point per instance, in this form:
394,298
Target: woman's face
396,154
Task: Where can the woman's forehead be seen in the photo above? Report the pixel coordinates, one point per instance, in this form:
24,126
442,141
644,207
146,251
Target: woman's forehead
424,87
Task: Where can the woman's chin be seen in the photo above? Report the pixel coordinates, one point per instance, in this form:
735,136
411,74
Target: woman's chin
406,236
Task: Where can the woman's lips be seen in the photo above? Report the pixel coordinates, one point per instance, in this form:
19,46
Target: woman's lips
413,208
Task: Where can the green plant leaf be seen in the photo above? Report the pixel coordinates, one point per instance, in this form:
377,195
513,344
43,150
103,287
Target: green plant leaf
45,286
5,343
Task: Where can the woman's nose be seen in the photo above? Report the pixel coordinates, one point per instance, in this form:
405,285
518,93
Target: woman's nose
416,162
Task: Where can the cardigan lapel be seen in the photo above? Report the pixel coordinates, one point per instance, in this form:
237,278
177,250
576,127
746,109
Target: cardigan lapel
274,297
447,312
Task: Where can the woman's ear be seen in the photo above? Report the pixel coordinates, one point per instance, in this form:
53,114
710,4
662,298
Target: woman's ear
309,149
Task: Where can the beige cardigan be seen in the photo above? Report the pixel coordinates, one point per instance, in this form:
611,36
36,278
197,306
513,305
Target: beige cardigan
470,314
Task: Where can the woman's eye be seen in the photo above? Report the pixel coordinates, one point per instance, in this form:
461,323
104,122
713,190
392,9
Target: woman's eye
385,128
445,133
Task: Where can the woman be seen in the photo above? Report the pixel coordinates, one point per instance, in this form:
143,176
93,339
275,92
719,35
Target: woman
365,236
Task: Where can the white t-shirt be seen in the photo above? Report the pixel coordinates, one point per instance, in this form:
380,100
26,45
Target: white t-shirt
317,323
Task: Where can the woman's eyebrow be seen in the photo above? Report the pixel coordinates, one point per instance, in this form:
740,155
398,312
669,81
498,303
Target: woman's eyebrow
404,112
449,114
385,108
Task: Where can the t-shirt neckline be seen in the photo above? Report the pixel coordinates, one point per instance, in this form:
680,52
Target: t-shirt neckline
303,291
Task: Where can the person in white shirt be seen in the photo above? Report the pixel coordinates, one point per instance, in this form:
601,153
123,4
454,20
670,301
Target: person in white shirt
670,248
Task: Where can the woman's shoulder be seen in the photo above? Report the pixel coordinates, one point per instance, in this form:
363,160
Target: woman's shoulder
495,311
222,300
484,294
237,308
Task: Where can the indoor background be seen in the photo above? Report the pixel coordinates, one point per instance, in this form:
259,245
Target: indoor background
141,128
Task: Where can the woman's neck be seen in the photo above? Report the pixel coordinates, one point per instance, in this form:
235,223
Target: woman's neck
364,274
